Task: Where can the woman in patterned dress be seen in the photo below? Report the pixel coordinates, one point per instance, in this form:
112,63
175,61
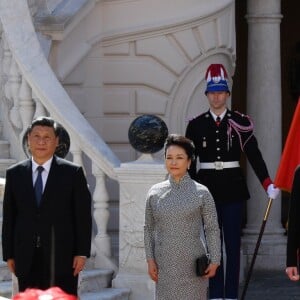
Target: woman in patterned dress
177,211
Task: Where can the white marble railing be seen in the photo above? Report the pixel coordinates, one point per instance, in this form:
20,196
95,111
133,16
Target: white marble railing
29,88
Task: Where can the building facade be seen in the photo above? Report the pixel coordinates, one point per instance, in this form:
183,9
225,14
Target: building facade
97,65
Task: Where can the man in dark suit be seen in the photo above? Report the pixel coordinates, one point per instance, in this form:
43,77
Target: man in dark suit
220,136
293,240
46,241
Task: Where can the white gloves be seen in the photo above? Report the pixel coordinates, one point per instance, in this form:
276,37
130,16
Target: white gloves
272,191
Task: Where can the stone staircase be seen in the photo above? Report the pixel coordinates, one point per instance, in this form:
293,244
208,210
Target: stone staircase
94,284
5,162
5,281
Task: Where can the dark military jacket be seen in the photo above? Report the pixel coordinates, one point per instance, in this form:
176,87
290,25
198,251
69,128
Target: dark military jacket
225,143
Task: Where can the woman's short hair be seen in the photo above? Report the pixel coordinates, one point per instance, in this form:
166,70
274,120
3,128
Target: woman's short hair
180,141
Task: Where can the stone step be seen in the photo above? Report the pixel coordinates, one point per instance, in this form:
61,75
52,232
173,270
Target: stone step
5,289
6,284
94,280
5,274
103,294
93,285
107,294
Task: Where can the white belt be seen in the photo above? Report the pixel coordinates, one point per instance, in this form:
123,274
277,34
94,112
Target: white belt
220,165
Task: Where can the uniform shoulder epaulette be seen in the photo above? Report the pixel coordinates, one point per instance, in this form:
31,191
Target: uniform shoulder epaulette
195,117
240,117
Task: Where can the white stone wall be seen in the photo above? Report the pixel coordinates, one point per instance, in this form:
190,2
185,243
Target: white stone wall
143,57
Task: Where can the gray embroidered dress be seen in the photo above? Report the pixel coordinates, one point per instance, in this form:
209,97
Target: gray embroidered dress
174,216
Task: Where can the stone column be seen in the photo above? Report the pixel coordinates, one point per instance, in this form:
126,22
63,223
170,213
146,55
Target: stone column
264,106
135,179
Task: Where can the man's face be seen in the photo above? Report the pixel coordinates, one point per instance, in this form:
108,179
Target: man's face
42,143
217,100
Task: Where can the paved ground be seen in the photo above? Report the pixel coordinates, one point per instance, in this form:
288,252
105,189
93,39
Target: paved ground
268,285
271,285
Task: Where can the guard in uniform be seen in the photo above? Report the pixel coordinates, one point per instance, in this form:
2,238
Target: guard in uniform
220,136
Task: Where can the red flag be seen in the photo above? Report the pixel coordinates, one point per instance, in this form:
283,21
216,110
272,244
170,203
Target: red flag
290,158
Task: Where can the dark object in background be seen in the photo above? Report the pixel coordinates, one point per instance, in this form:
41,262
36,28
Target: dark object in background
147,134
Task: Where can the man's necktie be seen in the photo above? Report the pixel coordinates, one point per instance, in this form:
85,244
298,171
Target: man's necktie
38,186
218,121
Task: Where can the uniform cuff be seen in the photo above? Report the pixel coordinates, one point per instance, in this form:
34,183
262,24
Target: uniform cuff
266,183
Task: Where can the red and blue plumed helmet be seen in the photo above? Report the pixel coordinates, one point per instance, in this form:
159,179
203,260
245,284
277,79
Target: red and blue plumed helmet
216,78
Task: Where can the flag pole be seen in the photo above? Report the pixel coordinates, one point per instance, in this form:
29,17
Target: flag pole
262,228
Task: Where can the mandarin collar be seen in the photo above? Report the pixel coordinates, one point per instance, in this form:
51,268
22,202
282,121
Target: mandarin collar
182,182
